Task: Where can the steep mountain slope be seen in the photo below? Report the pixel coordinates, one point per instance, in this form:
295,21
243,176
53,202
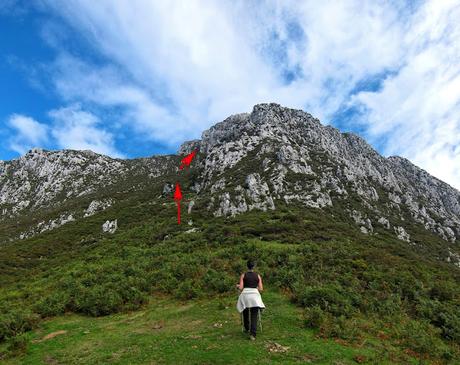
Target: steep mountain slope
258,160
274,153
365,246
43,190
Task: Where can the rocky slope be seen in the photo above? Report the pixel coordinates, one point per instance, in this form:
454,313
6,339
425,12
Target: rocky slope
293,157
43,190
258,160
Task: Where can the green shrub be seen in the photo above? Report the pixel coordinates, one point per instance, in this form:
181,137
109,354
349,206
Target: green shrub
389,306
442,315
286,278
314,317
15,322
291,218
17,345
187,290
99,289
53,304
166,281
340,327
443,291
218,281
423,338
329,298
336,279
97,301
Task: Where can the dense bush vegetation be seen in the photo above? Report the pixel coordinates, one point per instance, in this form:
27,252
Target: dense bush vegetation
350,285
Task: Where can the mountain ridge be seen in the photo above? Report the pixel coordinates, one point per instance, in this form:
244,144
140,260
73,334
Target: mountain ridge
250,161
365,246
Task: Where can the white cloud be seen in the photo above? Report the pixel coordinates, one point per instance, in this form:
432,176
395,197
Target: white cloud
70,128
207,59
419,108
76,129
28,133
174,68
78,82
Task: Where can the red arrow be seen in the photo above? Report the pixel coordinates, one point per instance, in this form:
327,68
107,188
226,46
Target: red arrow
178,198
187,160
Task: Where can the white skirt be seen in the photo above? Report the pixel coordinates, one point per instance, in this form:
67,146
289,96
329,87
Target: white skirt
249,297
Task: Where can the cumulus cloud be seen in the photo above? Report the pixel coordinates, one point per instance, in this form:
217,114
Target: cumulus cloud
419,107
76,129
171,69
70,128
28,133
204,60
76,81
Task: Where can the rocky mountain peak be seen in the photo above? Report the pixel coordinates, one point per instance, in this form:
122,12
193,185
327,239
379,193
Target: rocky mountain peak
293,157
259,160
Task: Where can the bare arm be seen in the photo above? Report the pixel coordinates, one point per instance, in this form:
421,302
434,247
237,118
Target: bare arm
241,284
261,285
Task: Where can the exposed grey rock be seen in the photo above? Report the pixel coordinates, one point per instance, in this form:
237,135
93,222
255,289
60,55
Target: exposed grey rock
168,188
258,193
402,234
189,146
453,257
301,160
110,226
364,230
190,206
43,179
47,226
384,222
364,222
218,185
96,206
228,207
248,161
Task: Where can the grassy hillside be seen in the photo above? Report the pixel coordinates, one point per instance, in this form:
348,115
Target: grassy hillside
167,331
344,294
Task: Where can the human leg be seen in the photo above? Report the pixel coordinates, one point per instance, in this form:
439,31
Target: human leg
246,319
254,318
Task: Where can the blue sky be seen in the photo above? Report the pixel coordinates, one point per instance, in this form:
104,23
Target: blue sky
133,78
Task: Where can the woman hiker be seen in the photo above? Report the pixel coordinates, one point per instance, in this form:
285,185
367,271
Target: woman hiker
250,301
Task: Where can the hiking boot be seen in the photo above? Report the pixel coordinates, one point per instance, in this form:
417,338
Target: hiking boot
252,338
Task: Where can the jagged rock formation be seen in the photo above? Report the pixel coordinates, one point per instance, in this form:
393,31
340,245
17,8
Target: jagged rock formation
258,160
42,179
293,157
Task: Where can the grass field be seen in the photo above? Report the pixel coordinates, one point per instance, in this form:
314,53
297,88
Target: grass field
152,292
199,331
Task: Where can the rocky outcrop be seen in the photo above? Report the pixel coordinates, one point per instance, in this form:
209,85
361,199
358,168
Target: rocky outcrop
289,155
110,226
250,161
402,234
96,206
49,225
43,179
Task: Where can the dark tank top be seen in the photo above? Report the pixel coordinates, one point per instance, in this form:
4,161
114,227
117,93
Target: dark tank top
250,280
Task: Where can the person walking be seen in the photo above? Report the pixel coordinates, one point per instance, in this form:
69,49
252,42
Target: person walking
250,301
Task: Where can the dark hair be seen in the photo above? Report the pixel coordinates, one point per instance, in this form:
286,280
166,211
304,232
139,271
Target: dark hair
251,264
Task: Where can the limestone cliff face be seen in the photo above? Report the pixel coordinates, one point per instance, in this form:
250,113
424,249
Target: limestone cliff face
278,154
40,190
40,178
258,160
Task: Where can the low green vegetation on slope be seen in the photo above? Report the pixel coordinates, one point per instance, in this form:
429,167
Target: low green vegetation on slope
374,295
202,331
